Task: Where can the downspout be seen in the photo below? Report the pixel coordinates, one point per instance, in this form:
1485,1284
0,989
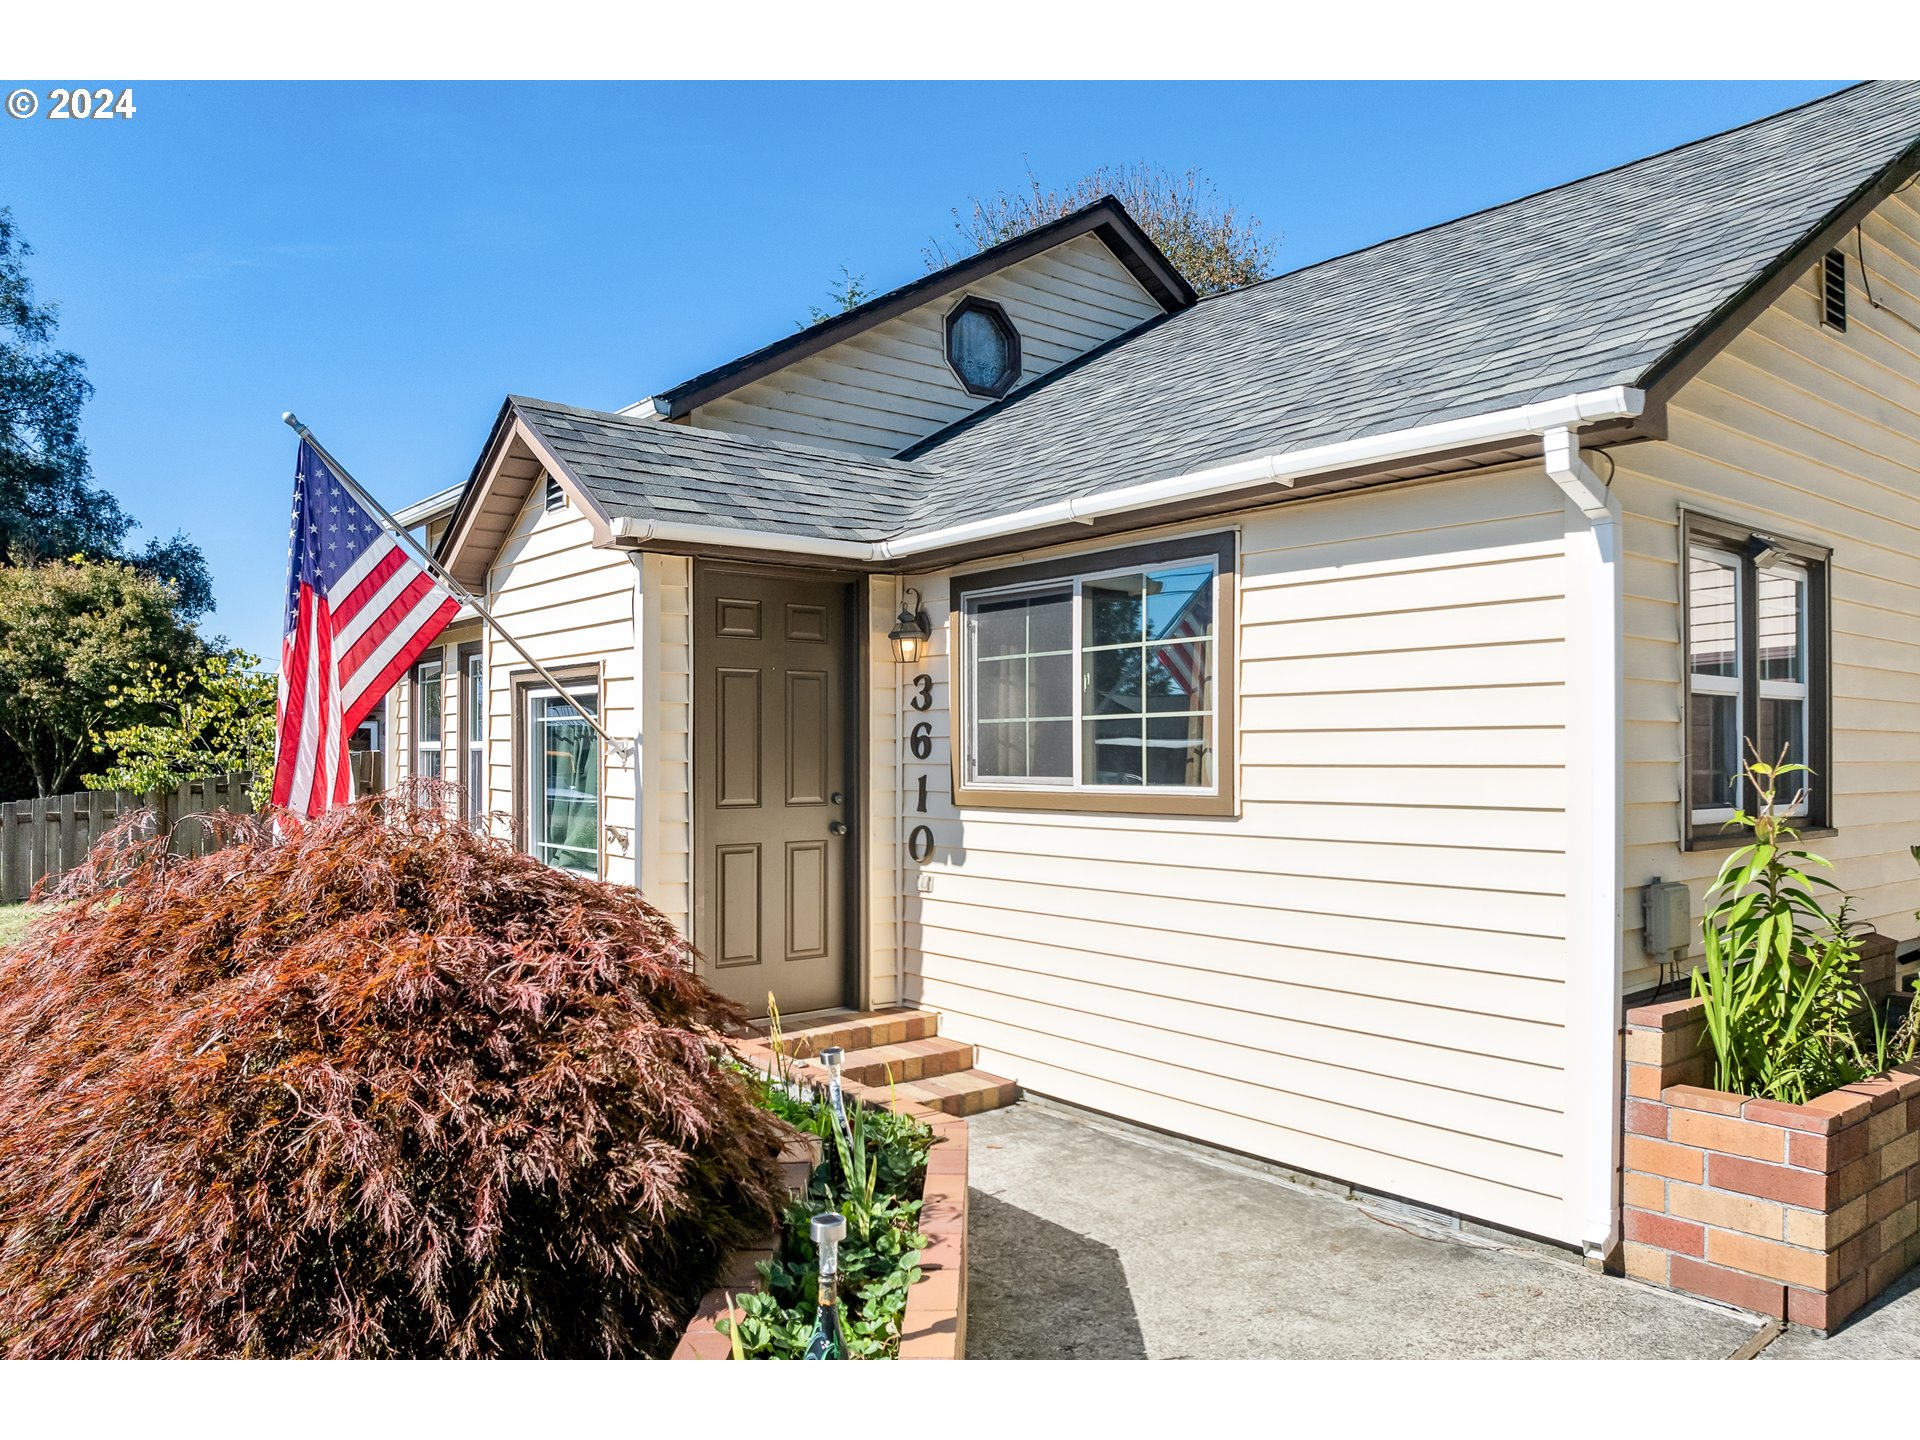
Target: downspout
1595,834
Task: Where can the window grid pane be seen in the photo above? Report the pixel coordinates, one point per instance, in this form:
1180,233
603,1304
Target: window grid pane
1714,660
429,716
1750,673
1022,691
1144,698
564,823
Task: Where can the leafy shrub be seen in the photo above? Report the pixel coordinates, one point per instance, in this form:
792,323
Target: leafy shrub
383,1088
1784,1009
883,1155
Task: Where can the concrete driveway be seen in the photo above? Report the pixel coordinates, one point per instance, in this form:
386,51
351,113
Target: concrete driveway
1090,1240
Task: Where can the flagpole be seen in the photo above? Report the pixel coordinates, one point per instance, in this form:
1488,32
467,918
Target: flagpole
622,750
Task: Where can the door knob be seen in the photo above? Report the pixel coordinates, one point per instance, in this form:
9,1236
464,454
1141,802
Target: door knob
837,827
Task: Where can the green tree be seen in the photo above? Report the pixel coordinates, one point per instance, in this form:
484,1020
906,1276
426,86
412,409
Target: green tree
192,724
48,503
848,291
1203,233
73,633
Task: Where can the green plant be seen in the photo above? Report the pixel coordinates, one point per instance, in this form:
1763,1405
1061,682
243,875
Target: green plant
70,632
214,718
884,1156
1782,1001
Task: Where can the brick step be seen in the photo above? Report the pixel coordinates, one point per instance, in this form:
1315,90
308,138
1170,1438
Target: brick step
855,1031
909,1061
965,1092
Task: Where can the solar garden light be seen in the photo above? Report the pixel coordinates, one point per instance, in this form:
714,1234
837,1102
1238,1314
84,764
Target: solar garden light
826,1342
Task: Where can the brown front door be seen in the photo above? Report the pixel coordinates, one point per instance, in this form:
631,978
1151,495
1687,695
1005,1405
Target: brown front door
771,801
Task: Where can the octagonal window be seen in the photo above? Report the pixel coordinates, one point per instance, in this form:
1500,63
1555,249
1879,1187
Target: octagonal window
983,347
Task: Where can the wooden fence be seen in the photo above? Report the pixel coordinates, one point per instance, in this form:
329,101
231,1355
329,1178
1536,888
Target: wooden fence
40,838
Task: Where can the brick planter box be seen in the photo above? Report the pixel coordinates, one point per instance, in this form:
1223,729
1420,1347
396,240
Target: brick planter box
1803,1212
935,1324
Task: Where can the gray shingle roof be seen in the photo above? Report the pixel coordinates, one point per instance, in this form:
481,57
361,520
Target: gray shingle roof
1577,288
651,470
1592,284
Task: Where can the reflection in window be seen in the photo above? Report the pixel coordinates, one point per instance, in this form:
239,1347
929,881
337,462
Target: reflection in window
982,347
563,828
1713,612
1782,640
474,700
1023,687
1102,681
1145,663
428,677
1748,673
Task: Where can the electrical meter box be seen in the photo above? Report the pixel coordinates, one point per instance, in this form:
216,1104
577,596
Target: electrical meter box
1667,913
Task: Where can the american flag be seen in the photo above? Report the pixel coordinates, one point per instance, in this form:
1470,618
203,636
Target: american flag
360,609
1187,664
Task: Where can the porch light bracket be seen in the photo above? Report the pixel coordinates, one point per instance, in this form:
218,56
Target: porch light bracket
911,629
1766,552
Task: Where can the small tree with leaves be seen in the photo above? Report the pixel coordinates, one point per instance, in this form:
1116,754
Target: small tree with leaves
212,719
49,505
73,634
845,293
1205,234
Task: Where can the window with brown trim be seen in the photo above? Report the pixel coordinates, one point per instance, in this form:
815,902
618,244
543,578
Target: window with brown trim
1099,683
557,765
1755,615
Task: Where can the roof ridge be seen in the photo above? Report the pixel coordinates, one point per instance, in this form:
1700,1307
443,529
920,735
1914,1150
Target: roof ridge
1544,190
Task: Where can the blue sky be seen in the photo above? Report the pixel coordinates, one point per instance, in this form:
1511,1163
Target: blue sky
391,260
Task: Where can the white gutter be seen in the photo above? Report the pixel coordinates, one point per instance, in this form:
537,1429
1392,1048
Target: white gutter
1595,833
441,502
1521,422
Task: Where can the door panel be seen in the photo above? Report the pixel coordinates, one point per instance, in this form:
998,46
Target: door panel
737,871
809,716
771,783
807,899
737,699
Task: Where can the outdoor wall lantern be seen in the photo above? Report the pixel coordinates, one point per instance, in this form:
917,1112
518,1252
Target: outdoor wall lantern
911,630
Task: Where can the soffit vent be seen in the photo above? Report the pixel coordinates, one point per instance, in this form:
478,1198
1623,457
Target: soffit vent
1833,291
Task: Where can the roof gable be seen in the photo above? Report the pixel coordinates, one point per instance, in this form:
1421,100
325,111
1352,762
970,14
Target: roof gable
1106,220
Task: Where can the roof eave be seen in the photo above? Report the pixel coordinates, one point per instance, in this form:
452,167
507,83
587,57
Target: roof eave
1214,487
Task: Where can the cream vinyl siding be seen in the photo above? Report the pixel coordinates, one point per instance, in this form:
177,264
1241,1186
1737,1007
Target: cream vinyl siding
566,603
1364,973
1814,434
666,729
887,820
881,390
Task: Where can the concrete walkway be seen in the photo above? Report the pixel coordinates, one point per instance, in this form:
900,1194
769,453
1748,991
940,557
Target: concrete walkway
1093,1241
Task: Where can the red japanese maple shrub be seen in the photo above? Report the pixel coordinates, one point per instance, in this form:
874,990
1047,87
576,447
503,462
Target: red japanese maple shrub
381,1088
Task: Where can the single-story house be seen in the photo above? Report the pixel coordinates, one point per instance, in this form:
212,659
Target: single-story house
1255,716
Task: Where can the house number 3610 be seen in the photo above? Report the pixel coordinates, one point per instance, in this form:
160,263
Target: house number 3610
920,746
